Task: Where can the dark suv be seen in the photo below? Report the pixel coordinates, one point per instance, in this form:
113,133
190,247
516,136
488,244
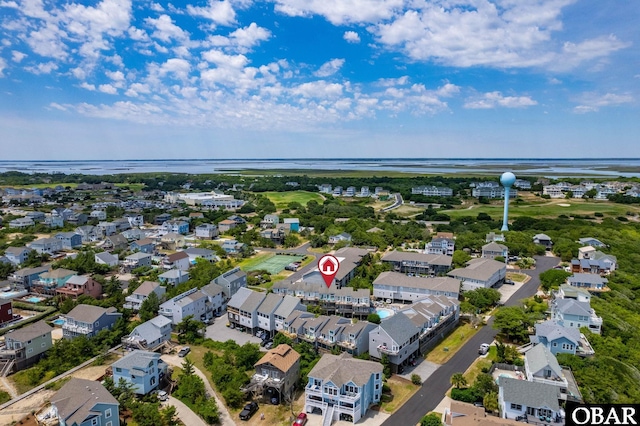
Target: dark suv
248,411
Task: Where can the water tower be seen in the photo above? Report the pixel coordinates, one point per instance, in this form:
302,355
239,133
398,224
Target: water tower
507,180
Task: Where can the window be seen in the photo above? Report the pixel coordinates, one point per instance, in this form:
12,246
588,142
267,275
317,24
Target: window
43,344
109,424
107,413
94,421
516,406
29,350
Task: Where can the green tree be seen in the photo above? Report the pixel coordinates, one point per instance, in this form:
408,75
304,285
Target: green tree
553,278
460,258
490,402
458,380
431,420
373,318
189,330
149,307
513,322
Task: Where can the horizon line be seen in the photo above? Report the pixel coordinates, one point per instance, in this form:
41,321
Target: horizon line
413,159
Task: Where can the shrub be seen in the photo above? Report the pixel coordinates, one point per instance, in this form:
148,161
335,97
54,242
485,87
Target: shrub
416,379
464,395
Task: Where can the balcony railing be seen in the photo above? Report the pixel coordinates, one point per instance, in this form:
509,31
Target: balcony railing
387,350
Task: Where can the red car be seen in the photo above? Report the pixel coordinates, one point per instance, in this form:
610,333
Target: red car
301,420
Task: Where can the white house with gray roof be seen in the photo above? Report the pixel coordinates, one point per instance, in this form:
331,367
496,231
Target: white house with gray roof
249,311
190,303
397,337
150,334
590,282
195,253
493,250
343,387
134,300
266,313
520,398
215,298
542,366
402,288
480,273
231,281
106,258
288,305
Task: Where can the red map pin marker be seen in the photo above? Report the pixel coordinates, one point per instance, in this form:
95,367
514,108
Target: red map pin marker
328,266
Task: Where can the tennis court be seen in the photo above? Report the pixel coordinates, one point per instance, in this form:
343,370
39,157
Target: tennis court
276,264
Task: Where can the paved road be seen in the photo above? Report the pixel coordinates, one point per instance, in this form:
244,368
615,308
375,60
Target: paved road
437,385
399,201
184,413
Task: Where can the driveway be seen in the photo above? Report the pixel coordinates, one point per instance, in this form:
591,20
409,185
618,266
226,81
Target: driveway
219,332
184,413
225,417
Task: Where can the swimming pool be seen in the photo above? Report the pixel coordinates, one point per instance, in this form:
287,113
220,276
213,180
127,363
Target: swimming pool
58,321
34,299
384,312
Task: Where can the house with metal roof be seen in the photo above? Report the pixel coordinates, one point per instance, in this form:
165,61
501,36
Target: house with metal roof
590,282
343,388
143,370
81,402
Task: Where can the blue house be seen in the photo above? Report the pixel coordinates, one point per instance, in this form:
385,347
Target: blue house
83,402
142,369
88,320
145,245
343,387
559,339
294,223
70,240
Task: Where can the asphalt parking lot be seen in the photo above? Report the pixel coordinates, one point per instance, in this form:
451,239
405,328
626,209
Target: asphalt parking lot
220,332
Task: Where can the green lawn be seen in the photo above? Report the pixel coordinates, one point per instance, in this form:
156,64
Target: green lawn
546,208
275,264
250,263
282,199
450,345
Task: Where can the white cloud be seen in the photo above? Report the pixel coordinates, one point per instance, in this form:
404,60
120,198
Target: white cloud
88,86
115,75
496,99
340,12
318,89
329,68
574,54
3,66
108,88
57,106
247,37
136,89
180,68
387,82
592,102
138,34
351,37
42,68
166,30
17,56
220,12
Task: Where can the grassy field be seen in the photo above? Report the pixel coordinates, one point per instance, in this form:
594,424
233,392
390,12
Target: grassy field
450,345
250,263
401,391
517,277
546,208
282,199
275,264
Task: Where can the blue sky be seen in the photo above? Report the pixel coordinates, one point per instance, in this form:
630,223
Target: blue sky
122,79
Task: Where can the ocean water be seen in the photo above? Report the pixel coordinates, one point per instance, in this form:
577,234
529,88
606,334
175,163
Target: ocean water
553,168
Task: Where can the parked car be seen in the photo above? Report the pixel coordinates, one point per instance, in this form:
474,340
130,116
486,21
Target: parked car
248,411
484,348
269,345
510,282
163,396
301,420
184,351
